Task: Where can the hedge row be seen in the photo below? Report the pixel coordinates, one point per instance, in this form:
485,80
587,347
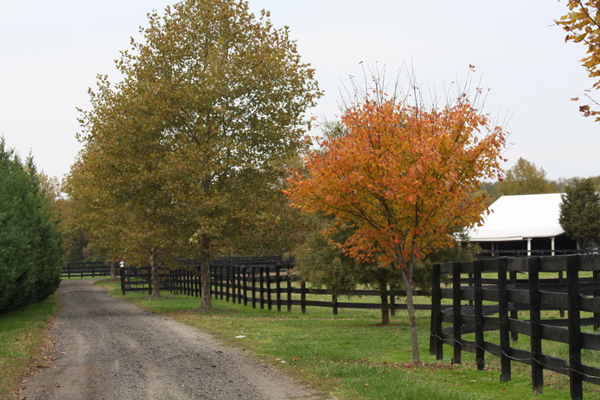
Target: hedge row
30,253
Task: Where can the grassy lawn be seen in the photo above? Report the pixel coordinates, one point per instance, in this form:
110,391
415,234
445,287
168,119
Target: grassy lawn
22,337
351,356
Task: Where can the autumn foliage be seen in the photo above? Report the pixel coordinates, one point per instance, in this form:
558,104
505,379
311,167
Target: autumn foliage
186,155
582,24
403,175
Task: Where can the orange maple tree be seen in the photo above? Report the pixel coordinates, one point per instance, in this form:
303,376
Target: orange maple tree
404,176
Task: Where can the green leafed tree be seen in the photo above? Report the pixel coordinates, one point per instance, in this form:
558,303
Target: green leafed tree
190,148
580,213
30,244
525,178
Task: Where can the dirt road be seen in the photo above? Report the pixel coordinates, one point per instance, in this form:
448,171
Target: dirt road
109,349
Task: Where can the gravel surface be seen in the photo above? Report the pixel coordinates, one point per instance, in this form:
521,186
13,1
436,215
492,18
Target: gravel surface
107,348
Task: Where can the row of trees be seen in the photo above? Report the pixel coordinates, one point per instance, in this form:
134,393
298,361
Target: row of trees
188,154
30,244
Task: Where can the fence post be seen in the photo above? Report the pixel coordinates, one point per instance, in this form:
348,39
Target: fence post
268,276
436,314
303,297
93,271
561,281
122,271
470,280
222,282
245,282
504,321
334,304
239,284
198,282
478,294
456,313
227,282
253,286
289,290
278,286
574,327
514,314
596,293
69,270
261,271
235,278
537,370
392,302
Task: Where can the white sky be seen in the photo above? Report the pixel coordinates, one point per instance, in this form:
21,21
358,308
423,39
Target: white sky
51,51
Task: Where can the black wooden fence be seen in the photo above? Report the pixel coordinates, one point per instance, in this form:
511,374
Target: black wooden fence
530,253
256,282
84,269
505,296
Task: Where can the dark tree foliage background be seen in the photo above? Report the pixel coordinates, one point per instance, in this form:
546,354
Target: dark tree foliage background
30,244
580,213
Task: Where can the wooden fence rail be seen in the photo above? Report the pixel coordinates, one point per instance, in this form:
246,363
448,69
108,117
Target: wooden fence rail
509,295
84,269
255,283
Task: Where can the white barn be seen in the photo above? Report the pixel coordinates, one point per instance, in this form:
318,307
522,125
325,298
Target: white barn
523,222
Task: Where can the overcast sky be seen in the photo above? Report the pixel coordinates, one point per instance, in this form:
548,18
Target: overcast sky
51,51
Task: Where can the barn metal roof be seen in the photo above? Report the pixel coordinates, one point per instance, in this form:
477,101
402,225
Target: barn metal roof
521,217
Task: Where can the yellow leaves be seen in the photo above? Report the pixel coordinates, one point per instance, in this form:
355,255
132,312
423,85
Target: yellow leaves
401,174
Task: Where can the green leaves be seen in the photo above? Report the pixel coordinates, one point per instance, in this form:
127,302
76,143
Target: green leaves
525,178
30,253
580,213
186,156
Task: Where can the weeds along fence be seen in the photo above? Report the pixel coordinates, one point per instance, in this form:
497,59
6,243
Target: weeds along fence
256,282
494,305
85,269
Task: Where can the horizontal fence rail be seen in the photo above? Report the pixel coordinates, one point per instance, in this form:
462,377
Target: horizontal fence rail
507,295
85,269
530,253
256,282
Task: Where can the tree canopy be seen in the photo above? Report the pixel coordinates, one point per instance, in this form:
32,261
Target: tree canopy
525,178
187,153
580,213
402,175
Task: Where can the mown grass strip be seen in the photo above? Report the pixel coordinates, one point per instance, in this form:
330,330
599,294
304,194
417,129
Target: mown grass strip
351,356
22,337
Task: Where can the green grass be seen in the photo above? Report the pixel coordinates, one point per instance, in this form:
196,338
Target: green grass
352,357
22,336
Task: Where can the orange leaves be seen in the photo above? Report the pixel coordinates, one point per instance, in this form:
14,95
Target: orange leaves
582,27
402,174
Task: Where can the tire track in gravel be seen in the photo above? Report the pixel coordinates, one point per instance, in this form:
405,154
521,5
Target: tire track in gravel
109,349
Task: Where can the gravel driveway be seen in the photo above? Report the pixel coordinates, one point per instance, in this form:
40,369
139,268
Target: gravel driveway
110,349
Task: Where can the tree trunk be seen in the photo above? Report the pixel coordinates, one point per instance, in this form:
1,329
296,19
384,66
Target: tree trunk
206,304
383,294
113,271
407,279
154,274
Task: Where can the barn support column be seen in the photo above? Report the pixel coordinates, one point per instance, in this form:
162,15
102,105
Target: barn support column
552,247
529,247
